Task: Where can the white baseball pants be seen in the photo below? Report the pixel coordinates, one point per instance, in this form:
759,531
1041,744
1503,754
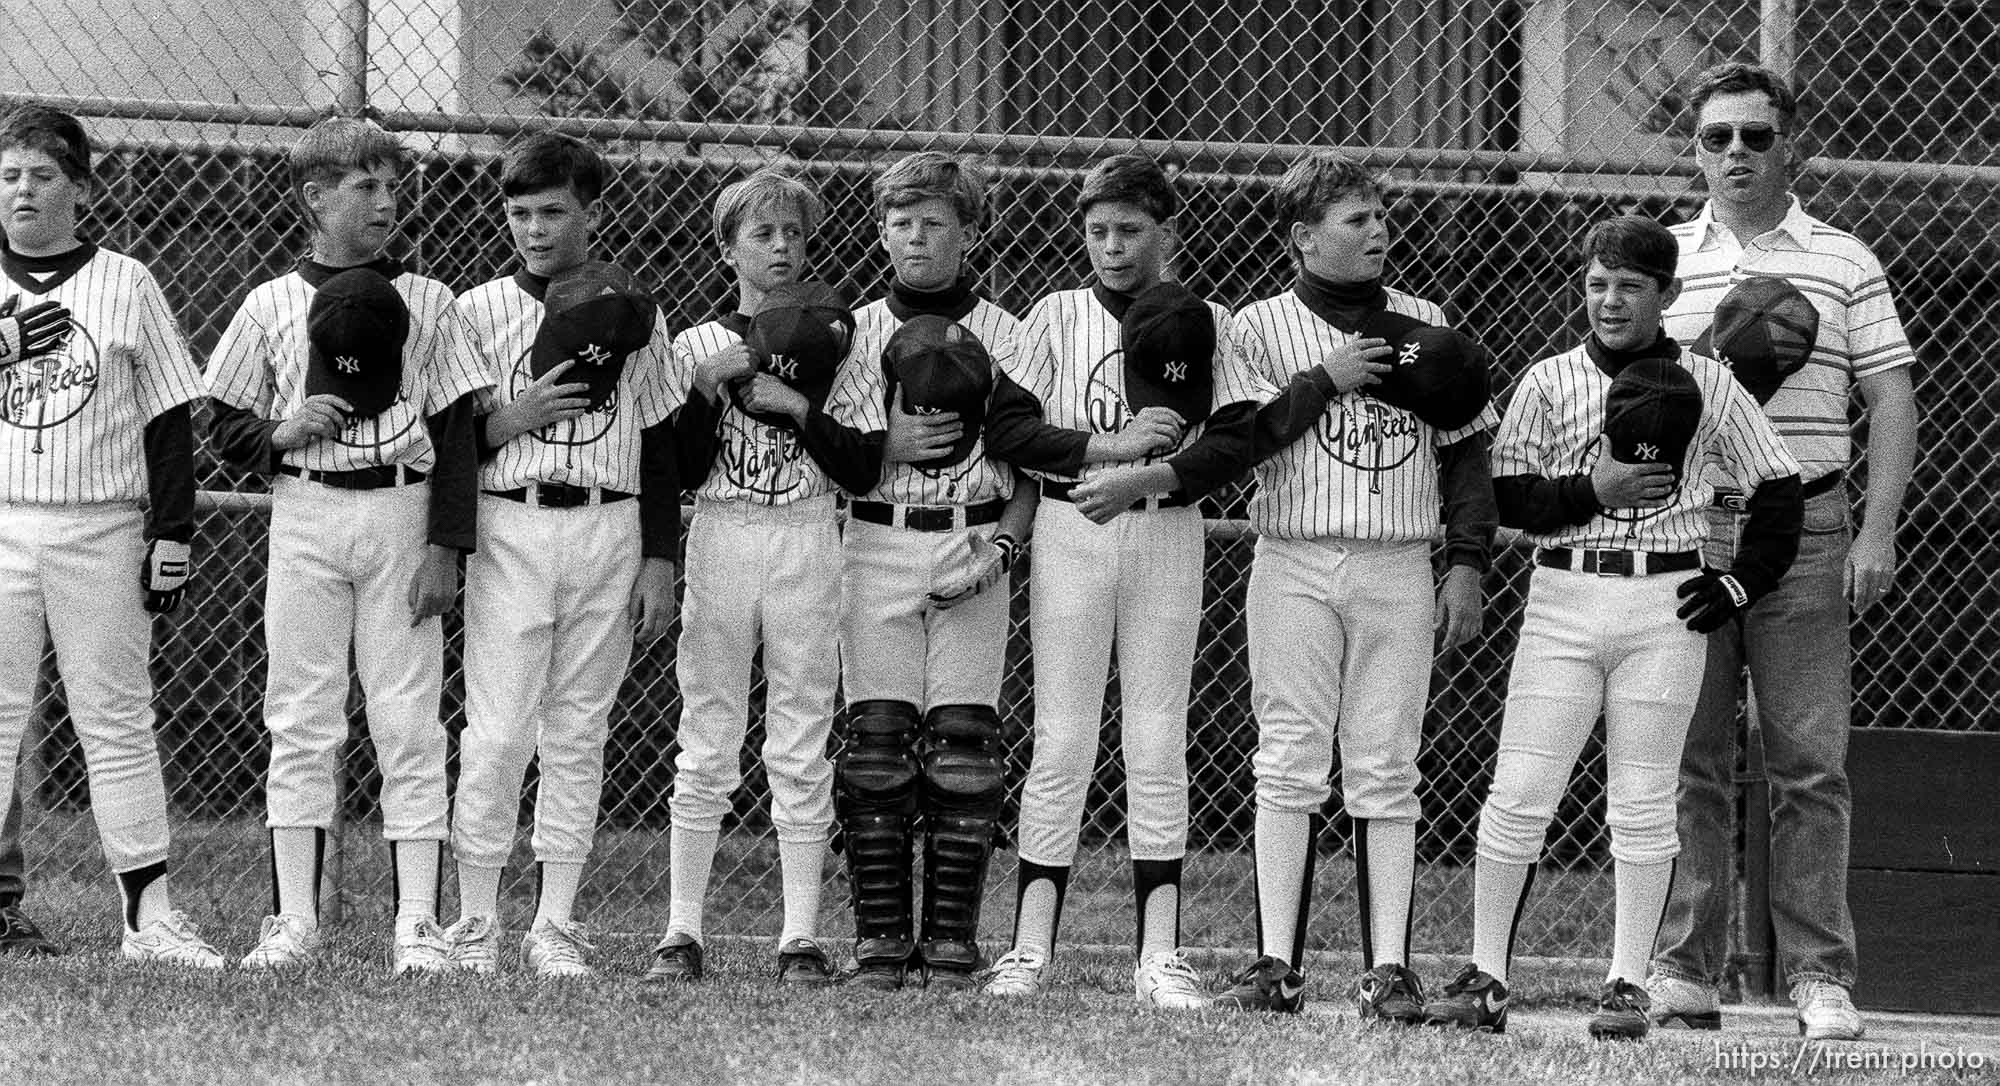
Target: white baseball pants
1136,580
340,570
1591,644
894,646
769,574
71,573
548,642
1340,650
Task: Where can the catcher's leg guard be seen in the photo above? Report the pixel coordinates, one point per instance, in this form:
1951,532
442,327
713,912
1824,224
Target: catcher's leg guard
964,786
875,798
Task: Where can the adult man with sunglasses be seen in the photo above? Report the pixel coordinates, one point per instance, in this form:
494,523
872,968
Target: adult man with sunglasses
1795,640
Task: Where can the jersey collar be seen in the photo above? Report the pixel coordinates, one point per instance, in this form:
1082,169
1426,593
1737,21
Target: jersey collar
1610,361
41,274
1796,224
316,274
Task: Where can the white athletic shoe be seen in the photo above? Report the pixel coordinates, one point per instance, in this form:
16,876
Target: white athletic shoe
473,944
172,940
556,949
285,941
1826,1012
1682,1004
1018,973
1165,980
419,947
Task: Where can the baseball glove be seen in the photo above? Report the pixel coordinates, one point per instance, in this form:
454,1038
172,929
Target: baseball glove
985,566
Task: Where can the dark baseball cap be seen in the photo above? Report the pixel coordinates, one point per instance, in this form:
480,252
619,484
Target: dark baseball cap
940,367
355,330
592,314
1651,413
799,334
1168,336
1438,374
1764,330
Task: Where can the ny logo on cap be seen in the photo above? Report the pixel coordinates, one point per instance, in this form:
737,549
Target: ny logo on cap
1648,452
785,366
593,355
1408,355
347,364
1176,371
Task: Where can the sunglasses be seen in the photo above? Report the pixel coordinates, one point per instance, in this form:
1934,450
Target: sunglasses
1715,138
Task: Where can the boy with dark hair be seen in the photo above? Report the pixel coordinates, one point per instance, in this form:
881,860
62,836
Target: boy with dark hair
1356,480
1599,462
95,383
329,377
1136,582
761,550
579,518
937,517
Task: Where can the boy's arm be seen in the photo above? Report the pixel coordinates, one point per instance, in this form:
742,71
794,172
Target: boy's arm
1756,456
454,497
1471,510
1527,498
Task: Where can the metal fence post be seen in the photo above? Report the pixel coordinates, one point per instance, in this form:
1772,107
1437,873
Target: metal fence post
351,58
1777,33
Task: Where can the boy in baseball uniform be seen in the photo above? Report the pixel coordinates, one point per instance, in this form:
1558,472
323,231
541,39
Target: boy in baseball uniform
1599,462
1355,486
329,378
579,516
96,507
763,555
935,522
1136,581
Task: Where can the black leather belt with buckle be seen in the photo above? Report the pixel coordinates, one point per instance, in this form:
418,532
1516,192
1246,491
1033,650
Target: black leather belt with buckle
927,518
376,478
561,495
1618,563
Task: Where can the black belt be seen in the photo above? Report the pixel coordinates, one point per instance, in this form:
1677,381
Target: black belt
1060,491
561,495
1737,502
376,478
927,518
1617,563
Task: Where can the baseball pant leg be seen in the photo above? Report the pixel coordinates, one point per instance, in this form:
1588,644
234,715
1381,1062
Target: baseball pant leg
23,637
966,648
401,665
1072,604
509,634
802,675
13,866
591,654
882,622
309,608
1159,618
720,626
102,634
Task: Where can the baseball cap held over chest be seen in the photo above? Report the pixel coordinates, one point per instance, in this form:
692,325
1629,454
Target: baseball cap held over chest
1438,374
940,366
799,334
355,330
593,316
1651,412
1764,330
1168,336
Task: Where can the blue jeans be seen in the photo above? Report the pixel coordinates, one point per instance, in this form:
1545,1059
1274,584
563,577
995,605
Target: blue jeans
1796,644
12,885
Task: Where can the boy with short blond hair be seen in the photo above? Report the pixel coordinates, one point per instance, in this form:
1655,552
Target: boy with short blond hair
329,378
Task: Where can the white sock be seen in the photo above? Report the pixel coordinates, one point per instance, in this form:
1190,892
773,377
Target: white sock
295,855
691,859
1035,928
1281,843
1159,919
417,877
1642,897
478,890
1496,899
802,865
559,885
1392,865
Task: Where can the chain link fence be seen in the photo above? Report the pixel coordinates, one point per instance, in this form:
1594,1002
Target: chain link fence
1505,129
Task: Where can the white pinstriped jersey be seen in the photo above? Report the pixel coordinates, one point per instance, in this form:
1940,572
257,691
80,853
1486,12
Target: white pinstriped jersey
1067,353
489,330
754,461
1859,331
260,366
858,400
1553,422
1368,470
72,423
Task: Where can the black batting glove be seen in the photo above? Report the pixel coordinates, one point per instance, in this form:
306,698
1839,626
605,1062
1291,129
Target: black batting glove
40,329
165,575
1710,599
